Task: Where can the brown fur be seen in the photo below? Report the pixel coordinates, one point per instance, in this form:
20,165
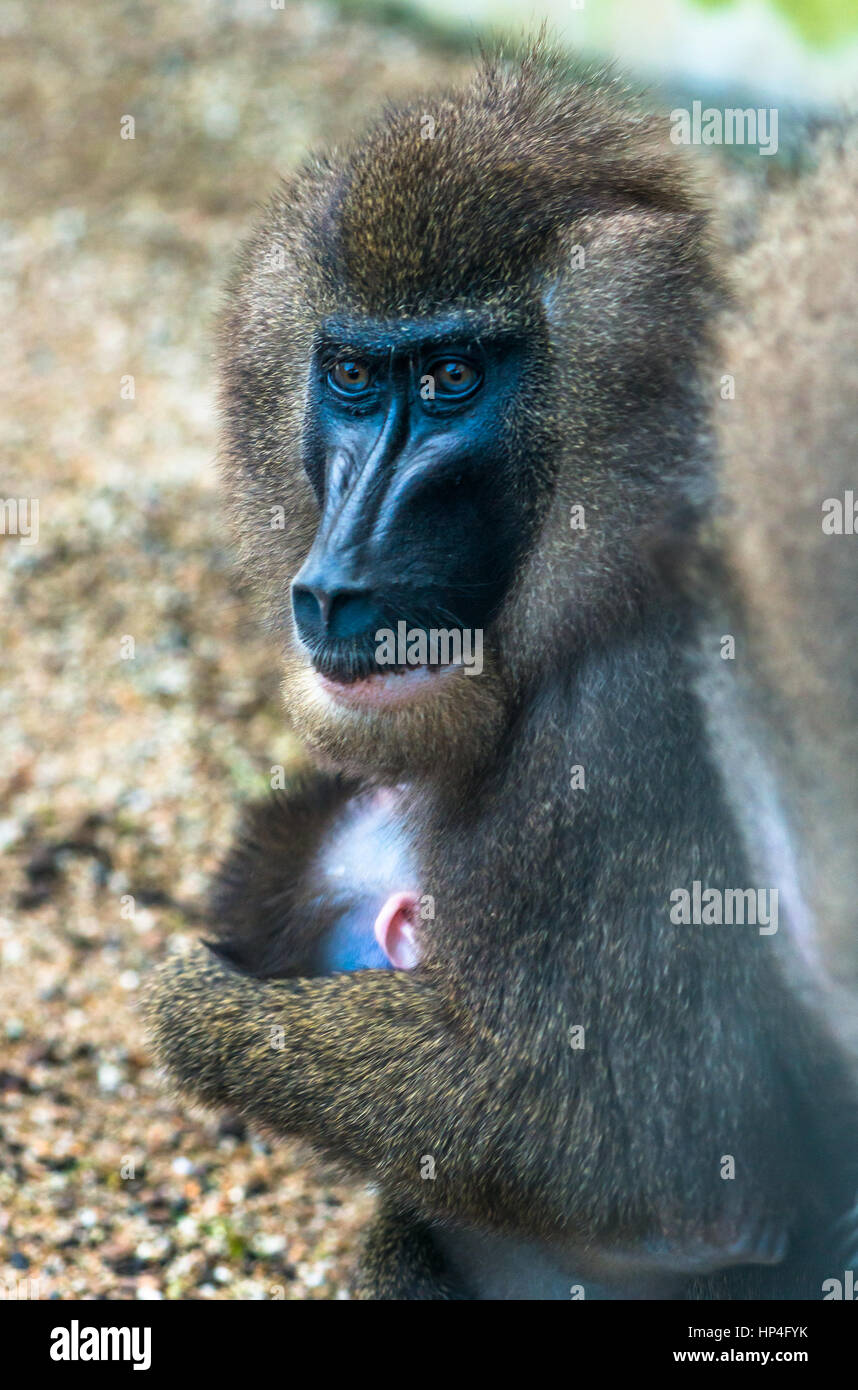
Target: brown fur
544,166
552,905
785,713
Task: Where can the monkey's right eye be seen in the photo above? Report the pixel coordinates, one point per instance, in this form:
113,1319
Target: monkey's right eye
350,377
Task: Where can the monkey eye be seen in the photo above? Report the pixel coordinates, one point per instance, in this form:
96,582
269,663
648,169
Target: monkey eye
350,377
453,376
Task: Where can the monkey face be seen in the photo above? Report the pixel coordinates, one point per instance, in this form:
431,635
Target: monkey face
424,376
410,447
407,448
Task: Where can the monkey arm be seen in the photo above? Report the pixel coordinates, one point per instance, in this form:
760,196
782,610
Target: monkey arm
267,915
372,1068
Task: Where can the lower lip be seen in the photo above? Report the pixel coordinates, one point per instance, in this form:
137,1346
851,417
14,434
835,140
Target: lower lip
388,691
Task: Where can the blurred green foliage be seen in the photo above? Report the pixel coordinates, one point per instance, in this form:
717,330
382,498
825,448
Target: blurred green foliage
820,22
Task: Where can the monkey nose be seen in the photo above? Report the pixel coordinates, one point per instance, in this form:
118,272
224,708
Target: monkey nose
333,612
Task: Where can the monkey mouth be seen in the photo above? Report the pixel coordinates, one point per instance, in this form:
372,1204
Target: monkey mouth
384,689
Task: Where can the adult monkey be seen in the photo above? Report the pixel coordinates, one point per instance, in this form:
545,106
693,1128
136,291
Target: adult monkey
543,263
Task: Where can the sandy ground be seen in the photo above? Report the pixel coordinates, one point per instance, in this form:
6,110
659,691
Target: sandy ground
122,761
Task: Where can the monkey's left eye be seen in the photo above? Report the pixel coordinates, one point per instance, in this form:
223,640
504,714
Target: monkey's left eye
350,377
453,376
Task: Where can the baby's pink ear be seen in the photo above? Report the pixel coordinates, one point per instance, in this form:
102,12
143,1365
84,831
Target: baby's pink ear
396,930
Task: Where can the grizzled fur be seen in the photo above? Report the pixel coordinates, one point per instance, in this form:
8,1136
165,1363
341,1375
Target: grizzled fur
784,713
552,904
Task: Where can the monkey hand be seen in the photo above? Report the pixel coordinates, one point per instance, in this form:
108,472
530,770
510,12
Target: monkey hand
372,1068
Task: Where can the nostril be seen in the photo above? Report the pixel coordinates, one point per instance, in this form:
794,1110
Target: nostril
309,612
341,613
351,613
